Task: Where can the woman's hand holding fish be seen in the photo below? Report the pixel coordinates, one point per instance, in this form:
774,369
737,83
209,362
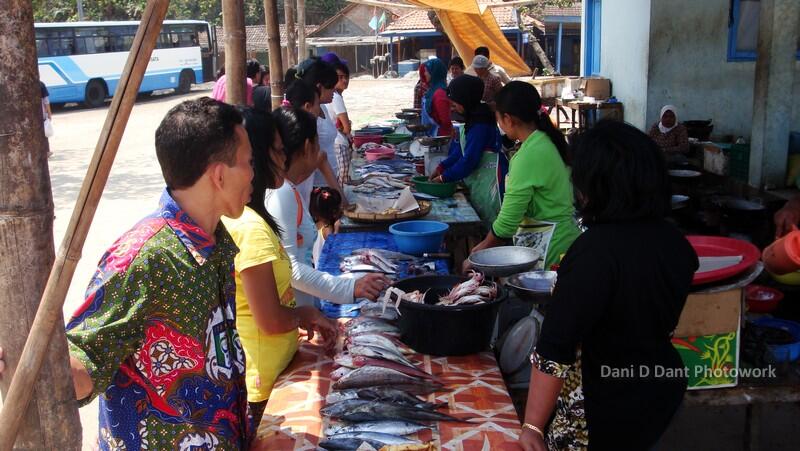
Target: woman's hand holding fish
370,286
312,321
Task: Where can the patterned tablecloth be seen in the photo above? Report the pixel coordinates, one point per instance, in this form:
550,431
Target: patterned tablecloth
454,211
476,390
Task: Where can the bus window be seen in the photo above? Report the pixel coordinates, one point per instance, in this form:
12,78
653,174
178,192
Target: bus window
201,31
54,42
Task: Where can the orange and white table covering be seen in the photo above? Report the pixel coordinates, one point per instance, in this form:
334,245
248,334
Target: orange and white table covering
292,420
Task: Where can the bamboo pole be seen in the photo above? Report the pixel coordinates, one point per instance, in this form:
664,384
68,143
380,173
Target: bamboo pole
274,44
235,52
51,420
302,53
291,33
50,309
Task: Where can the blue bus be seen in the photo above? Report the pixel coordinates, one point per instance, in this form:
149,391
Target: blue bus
83,61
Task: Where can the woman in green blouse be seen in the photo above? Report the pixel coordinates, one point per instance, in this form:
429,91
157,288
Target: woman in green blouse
537,209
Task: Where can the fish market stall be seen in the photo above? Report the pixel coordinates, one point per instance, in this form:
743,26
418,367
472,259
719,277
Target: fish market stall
375,388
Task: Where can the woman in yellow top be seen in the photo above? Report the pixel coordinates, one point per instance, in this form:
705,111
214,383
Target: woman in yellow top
266,317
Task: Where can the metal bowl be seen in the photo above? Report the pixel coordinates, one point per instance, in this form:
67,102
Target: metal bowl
407,116
431,141
533,286
412,110
504,261
418,128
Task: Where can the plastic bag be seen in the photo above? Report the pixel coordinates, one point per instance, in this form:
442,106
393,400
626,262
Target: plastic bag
48,128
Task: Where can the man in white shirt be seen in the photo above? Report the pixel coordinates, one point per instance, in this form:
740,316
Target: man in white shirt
494,69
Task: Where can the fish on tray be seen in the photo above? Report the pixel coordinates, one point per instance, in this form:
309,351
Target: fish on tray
387,255
367,263
370,327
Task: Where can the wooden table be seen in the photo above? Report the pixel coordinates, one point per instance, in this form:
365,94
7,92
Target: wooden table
579,111
476,389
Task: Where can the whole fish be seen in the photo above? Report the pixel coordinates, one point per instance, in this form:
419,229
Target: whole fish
344,359
381,341
371,328
386,439
347,444
367,376
340,373
386,427
340,395
339,408
367,322
360,361
375,310
389,255
379,353
376,410
395,396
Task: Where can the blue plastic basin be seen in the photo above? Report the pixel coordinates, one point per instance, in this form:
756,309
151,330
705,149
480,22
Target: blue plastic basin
418,237
788,352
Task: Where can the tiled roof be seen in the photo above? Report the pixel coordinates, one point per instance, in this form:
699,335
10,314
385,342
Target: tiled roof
418,20
257,37
574,10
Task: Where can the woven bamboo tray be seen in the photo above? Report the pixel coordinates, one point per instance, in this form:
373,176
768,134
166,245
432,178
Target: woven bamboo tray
424,209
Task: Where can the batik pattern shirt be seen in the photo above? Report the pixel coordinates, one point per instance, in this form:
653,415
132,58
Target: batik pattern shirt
157,334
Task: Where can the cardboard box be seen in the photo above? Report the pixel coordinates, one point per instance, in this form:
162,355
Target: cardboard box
707,338
599,88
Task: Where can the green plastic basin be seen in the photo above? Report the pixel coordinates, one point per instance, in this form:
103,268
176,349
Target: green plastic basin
434,189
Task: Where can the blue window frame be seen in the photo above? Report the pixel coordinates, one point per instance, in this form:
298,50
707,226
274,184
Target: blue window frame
743,31
591,64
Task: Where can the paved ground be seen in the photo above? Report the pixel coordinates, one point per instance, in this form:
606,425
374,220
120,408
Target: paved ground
135,182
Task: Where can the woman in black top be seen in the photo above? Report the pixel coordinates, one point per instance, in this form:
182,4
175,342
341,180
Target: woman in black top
604,360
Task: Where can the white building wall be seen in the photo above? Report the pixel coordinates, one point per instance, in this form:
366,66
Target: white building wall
624,53
689,67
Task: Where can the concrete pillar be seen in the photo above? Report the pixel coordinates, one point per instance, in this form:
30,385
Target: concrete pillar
559,37
772,97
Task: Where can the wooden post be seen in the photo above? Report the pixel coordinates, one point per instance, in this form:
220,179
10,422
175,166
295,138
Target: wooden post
27,251
302,52
291,33
49,314
235,52
274,44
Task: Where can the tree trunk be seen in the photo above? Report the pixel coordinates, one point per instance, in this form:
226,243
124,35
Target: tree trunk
235,52
27,251
25,200
291,33
274,45
302,53
540,53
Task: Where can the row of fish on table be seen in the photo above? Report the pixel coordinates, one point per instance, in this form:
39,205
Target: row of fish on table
376,387
384,178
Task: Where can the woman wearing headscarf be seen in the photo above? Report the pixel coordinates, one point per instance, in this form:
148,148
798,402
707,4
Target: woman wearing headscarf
475,154
421,87
671,136
435,105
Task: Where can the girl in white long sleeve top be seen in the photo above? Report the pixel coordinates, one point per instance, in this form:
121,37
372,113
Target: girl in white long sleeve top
299,134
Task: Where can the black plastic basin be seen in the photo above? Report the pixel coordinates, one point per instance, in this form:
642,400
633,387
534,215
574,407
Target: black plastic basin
445,330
